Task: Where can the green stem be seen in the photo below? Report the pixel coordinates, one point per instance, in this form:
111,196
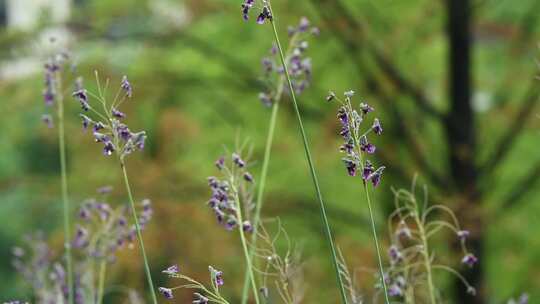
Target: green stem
139,234
65,199
260,192
427,263
376,241
249,266
101,282
310,162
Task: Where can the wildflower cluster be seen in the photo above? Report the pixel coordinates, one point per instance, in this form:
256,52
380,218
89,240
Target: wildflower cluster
300,67
105,230
263,8
205,295
232,192
356,141
46,277
411,227
108,128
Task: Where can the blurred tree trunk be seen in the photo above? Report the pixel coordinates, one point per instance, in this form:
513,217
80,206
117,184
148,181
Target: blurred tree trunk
460,130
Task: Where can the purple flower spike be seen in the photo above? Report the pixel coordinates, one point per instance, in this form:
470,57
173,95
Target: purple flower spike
172,270
377,127
469,259
126,86
166,292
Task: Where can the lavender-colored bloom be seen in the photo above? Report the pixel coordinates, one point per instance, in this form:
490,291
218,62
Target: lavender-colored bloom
265,14
304,24
394,254
86,121
220,163
246,6
376,176
48,97
117,113
139,139
248,177
403,230
463,234
108,149
247,227
349,94
237,160
366,146
266,99
469,260
199,298
365,108
218,277
81,238
48,120
166,292
126,86
395,291
368,170
172,270
351,166
98,125
377,127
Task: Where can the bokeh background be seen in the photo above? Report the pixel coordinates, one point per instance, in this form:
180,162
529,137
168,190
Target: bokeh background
452,81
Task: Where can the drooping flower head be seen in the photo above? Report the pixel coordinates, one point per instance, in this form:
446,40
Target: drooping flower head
299,64
261,6
357,146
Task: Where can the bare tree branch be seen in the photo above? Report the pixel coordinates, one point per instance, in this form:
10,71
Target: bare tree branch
506,142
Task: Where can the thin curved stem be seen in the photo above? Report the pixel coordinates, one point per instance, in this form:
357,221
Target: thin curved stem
260,192
65,197
327,230
139,234
101,282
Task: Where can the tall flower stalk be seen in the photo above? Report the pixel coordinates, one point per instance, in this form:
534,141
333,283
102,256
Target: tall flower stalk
53,94
355,146
116,137
267,14
275,81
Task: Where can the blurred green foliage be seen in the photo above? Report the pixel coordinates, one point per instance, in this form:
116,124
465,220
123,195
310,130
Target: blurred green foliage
195,90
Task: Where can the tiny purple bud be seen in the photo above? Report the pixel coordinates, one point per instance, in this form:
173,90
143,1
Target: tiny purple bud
166,292
220,163
126,86
172,270
365,108
248,177
117,113
463,235
469,259
377,127
237,160
48,120
247,227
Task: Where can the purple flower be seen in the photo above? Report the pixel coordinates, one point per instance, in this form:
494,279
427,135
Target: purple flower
366,146
246,6
376,176
172,270
368,170
126,86
469,259
81,238
48,97
117,113
237,160
376,127
81,95
463,234
248,177
166,292
395,291
351,166
394,254
108,149
220,163
98,126
86,121
265,14
247,227
266,99
365,108
199,298
48,120
217,276
304,24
